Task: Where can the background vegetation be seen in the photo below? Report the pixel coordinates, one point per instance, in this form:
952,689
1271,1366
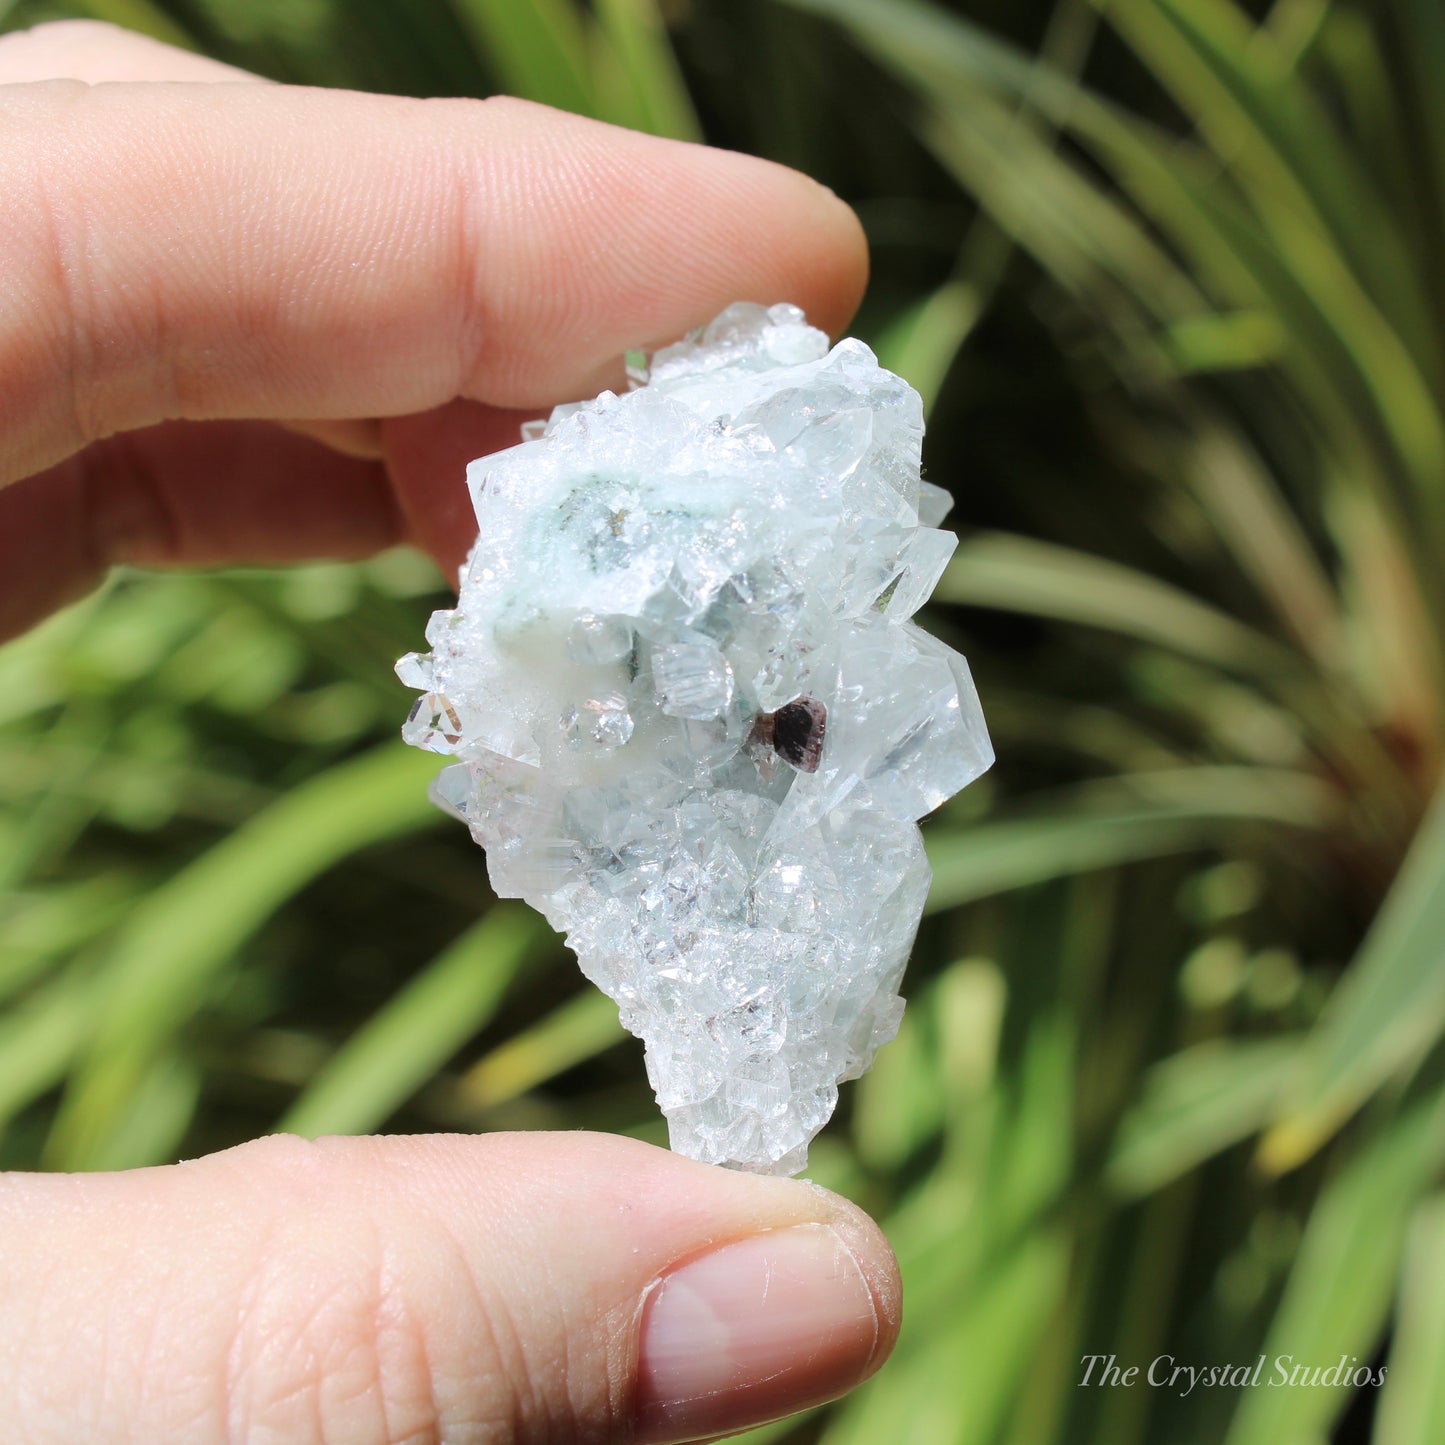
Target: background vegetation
1171,1079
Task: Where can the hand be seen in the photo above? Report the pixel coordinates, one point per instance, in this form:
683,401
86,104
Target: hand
245,322
512,1287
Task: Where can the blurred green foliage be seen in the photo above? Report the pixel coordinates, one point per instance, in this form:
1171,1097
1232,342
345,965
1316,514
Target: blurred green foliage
1172,1078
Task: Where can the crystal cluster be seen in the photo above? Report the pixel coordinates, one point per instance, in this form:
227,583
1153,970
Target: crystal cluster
693,723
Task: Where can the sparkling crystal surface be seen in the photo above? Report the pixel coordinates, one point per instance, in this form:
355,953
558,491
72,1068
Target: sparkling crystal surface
693,723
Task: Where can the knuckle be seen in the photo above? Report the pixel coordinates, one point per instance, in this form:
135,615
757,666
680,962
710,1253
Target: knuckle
372,1316
63,264
286,1155
364,1322
327,1348
506,108
519,159
81,253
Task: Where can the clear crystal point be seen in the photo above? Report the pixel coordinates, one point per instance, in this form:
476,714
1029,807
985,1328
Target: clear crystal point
692,722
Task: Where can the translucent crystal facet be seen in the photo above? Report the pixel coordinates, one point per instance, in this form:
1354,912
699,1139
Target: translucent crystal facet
692,722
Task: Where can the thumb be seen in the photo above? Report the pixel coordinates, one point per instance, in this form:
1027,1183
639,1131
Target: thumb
505,1288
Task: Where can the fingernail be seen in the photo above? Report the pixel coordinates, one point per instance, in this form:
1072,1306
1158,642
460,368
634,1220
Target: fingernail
753,1331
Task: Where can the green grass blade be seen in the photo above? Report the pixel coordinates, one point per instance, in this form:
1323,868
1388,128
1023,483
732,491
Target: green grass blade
403,1045
1167,813
924,338
164,961
1197,1103
1225,341
976,85
1362,384
1312,192
53,923
1423,21
1400,666
638,80
1339,1290
1043,579
982,1348
1098,734
984,1260
1086,238
921,342
1412,1405
151,1131
1370,99
1317,205
1338,352
39,1040
537,49
942,1061
1386,1013
580,1029
895,1104
1261,530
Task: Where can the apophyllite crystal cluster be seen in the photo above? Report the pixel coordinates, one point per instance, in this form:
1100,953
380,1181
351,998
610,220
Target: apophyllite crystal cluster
693,722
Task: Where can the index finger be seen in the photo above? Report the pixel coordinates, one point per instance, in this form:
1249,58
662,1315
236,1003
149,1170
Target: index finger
226,250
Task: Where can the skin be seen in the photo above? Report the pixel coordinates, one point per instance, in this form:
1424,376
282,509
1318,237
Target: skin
242,322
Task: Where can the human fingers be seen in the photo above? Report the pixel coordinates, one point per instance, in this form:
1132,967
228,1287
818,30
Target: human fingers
510,1288
221,250
226,492
426,457
187,493
94,52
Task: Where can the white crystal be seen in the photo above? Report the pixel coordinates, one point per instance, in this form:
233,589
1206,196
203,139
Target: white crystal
693,680
693,723
934,504
597,639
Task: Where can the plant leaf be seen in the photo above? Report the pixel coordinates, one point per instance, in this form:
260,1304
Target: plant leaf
1171,812
1195,1104
406,1041
163,962
1385,1014
1338,1294
638,80
1023,574
537,49
1412,1405
577,1030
